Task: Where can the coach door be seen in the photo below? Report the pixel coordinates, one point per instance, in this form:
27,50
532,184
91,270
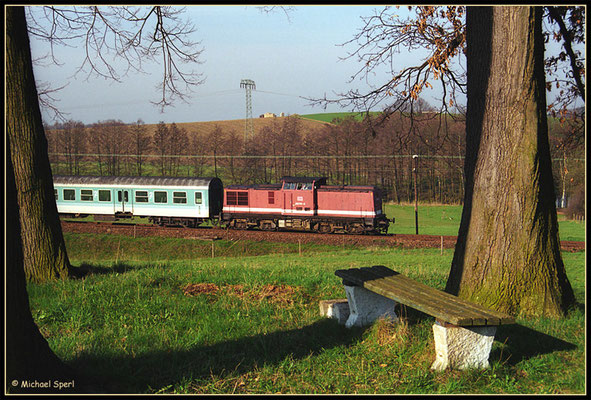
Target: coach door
122,203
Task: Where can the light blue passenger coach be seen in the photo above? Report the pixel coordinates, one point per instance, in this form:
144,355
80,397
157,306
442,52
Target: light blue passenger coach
165,200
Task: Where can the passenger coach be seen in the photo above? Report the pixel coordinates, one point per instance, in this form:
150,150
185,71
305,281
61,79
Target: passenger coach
165,200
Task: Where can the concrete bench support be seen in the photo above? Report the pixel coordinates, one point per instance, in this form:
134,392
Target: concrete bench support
366,307
464,332
337,309
459,347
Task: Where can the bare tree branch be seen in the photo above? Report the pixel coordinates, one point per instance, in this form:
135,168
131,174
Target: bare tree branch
134,35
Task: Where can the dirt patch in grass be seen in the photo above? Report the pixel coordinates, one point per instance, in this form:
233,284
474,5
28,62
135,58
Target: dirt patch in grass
278,294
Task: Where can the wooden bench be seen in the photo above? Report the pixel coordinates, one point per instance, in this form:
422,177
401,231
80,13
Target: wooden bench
463,331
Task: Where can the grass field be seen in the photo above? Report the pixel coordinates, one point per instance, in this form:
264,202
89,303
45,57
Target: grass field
156,315
329,117
445,220
134,327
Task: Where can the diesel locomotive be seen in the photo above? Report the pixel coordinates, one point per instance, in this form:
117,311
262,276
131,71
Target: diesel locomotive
307,204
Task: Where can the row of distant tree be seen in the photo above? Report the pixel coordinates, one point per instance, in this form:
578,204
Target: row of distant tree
348,152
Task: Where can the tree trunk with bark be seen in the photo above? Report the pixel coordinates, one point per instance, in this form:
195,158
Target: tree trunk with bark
43,244
507,256
28,355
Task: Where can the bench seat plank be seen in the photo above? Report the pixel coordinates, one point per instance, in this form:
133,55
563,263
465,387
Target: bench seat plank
441,305
487,316
421,301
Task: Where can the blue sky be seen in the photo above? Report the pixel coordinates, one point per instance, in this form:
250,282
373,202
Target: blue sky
287,59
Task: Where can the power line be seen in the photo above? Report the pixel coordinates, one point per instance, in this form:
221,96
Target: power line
281,94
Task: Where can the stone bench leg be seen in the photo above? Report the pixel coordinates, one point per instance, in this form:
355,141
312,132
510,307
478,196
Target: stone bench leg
337,309
459,347
365,306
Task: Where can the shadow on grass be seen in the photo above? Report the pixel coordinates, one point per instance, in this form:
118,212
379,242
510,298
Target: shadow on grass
522,343
519,342
86,269
159,369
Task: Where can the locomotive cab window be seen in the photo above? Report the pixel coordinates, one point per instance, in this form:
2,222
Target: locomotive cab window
271,197
104,195
69,194
198,198
160,197
86,195
179,197
141,196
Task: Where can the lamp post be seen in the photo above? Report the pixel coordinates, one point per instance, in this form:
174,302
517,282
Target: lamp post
415,158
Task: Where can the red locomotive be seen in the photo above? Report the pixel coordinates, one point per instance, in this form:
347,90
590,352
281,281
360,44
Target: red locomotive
305,204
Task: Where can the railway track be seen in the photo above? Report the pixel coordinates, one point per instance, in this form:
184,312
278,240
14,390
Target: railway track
208,233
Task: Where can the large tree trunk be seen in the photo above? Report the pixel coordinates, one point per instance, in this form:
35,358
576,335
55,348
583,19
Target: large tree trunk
29,358
43,244
507,256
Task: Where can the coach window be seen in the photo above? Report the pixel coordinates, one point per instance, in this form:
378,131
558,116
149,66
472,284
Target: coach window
179,197
198,198
141,196
104,195
69,194
55,193
86,195
160,197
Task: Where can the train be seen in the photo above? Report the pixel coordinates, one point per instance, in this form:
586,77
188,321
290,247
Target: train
296,203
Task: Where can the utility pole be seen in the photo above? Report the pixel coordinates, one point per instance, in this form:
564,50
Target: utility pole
416,162
248,84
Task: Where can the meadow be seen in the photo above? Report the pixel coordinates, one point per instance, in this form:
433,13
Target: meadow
155,315
445,220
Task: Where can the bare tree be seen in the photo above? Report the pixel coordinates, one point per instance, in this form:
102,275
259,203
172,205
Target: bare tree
162,145
567,26
198,148
72,143
234,147
439,31
179,142
215,141
140,144
135,35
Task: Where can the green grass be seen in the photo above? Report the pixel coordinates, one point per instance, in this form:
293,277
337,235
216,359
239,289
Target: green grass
91,248
445,220
330,117
130,327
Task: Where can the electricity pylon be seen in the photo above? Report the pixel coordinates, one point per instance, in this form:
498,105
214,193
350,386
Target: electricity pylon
248,84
